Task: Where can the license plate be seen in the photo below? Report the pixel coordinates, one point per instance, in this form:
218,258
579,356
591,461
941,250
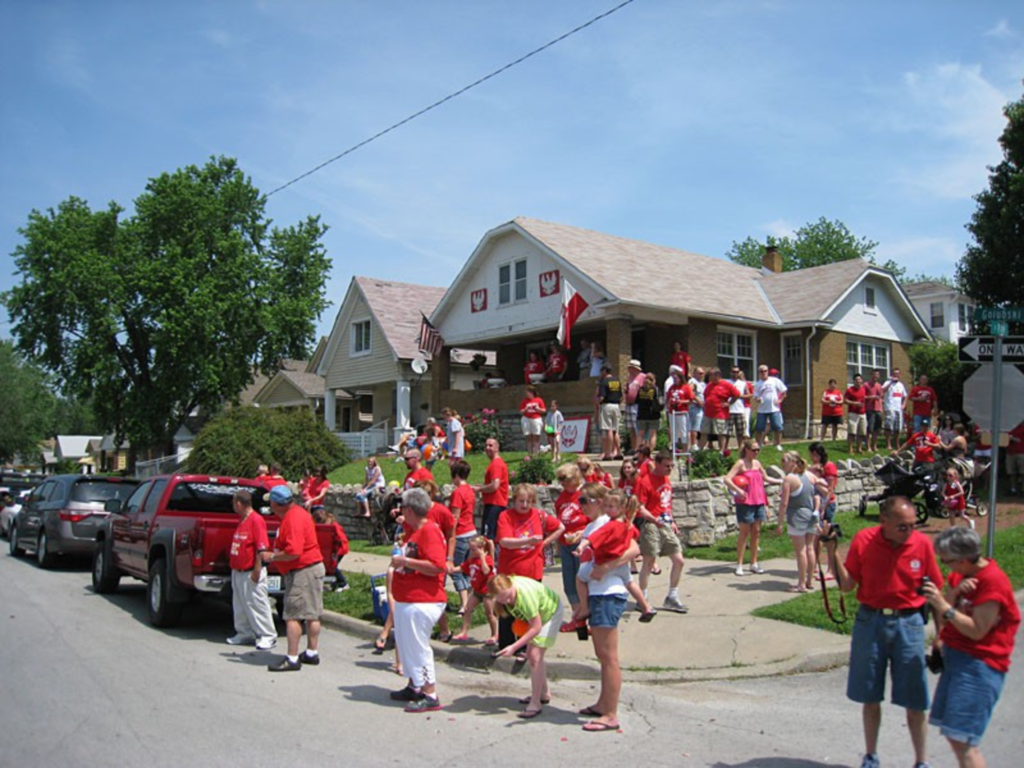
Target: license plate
274,583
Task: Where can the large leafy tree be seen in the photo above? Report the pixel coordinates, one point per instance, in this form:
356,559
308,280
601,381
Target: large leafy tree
991,268
820,242
26,404
152,315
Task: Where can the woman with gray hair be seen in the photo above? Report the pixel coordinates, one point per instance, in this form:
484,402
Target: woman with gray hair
978,616
420,599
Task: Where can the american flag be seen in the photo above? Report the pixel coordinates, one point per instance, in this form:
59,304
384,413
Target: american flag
430,340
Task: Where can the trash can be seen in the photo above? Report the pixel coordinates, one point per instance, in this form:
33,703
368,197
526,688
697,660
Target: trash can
379,593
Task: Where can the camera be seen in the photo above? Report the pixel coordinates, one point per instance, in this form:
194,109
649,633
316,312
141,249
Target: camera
924,580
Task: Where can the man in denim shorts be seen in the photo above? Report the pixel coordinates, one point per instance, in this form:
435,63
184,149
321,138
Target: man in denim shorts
888,564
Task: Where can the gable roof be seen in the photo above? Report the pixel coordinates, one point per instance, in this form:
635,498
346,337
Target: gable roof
396,308
807,295
74,446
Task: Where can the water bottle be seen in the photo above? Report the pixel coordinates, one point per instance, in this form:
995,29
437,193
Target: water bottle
396,550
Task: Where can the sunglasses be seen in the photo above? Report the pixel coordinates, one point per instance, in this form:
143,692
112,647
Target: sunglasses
587,500
754,450
904,527
949,561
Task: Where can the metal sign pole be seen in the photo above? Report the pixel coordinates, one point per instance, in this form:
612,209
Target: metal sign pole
997,403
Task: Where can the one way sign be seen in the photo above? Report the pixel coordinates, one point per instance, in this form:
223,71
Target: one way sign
981,349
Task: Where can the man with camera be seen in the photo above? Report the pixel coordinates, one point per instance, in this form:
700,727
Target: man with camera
888,565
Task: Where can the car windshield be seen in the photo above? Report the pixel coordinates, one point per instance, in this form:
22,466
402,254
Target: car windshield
205,497
100,490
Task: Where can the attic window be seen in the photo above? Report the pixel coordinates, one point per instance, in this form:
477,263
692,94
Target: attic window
938,318
361,338
512,282
869,298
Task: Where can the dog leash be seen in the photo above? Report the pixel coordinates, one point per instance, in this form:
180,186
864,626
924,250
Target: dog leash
828,605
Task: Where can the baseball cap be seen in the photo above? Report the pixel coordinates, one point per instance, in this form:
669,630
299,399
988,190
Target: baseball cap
674,369
773,372
280,494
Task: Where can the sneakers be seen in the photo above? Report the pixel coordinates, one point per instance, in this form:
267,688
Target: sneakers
241,640
342,588
408,693
739,570
756,568
673,604
307,658
266,643
424,704
870,761
285,665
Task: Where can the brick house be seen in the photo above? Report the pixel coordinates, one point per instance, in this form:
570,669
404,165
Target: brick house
812,324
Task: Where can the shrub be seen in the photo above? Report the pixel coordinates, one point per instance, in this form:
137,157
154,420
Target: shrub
709,463
481,426
538,470
240,439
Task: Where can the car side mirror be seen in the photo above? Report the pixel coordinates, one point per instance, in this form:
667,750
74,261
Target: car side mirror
112,506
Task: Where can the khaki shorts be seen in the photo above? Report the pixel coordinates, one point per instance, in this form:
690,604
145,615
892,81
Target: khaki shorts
1014,464
657,541
719,427
856,424
304,594
532,426
610,417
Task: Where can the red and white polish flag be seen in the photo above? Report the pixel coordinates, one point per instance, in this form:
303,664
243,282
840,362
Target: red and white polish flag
573,306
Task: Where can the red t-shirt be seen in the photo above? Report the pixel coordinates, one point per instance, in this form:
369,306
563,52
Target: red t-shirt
645,467
567,509
597,476
532,408
716,399
953,497
858,395
532,367
1016,446
683,361
473,570
923,452
833,403
557,363
679,398
297,536
440,515
887,576
527,561
628,484
497,470
314,488
340,540
830,472
925,406
269,481
996,647
874,390
611,540
409,586
654,492
463,500
249,539
415,476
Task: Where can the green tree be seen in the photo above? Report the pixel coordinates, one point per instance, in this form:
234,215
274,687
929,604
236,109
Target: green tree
814,244
991,267
171,309
240,439
27,404
939,361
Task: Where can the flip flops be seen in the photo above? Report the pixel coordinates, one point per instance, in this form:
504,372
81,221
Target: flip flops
529,714
596,727
526,700
380,643
590,712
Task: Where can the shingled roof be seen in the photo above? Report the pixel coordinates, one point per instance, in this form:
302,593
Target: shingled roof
397,307
805,295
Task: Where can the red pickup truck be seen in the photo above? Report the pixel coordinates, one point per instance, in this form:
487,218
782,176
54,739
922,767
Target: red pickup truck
174,533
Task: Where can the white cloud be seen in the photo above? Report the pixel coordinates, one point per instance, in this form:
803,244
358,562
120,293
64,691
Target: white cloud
929,255
1001,30
779,228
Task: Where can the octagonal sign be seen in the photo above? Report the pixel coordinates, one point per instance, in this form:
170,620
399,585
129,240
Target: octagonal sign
978,398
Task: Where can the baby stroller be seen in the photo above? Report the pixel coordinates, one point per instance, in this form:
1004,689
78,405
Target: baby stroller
912,483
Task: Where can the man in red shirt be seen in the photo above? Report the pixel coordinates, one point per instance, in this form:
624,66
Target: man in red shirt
924,444
495,488
298,557
659,534
888,564
1015,459
680,358
416,471
254,620
873,408
856,418
719,394
558,362
925,403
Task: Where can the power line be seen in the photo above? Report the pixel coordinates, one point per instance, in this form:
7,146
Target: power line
451,96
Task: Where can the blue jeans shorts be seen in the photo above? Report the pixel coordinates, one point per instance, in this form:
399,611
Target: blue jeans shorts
750,513
459,579
893,643
774,418
570,567
965,697
830,512
606,610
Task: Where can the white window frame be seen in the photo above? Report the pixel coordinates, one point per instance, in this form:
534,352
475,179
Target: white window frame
857,362
517,287
962,314
793,378
748,370
932,317
870,300
358,347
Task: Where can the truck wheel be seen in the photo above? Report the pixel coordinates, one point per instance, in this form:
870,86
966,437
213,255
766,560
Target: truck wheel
44,558
13,545
105,575
162,612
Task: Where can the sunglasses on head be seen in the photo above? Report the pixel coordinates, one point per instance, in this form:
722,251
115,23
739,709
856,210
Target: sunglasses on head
587,500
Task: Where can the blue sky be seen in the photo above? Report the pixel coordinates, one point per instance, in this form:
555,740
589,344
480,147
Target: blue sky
688,124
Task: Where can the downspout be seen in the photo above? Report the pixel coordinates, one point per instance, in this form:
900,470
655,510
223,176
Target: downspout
808,386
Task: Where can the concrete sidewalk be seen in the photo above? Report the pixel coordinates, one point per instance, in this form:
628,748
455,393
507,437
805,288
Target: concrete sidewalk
717,639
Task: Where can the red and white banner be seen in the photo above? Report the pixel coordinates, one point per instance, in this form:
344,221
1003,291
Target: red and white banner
548,283
574,435
573,306
478,300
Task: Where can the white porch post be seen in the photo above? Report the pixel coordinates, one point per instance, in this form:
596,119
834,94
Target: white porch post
403,424
330,410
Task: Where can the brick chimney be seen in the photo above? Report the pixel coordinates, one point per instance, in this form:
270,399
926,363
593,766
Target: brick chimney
772,260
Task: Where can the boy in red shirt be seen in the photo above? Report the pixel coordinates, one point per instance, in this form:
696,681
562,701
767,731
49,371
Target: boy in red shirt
856,416
925,402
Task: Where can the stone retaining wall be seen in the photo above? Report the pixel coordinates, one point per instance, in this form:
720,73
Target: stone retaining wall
703,508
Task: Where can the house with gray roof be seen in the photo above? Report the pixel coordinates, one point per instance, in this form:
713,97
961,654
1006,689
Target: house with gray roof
814,324
947,312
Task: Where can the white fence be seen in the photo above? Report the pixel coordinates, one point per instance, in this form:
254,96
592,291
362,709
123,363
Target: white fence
368,442
165,465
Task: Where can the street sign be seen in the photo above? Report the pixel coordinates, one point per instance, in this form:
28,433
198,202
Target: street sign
1006,314
998,327
981,349
978,397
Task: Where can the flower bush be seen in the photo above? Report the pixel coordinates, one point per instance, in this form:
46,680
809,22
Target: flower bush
539,470
481,426
708,463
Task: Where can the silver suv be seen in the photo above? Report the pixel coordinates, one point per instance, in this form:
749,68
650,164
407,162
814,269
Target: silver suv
62,516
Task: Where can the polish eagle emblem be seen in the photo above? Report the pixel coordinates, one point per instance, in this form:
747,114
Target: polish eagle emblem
549,283
478,300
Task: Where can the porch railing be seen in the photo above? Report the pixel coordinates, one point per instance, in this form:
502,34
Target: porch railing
368,442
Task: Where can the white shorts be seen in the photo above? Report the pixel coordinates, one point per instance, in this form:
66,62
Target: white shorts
413,624
532,426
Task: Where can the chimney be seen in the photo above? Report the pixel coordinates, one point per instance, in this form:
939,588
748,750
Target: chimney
772,260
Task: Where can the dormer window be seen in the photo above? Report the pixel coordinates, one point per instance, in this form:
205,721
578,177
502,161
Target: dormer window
869,298
512,282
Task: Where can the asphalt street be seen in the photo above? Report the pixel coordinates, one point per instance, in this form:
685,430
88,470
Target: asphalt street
87,681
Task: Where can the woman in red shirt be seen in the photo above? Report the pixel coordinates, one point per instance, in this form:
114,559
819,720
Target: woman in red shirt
532,409
316,489
831,409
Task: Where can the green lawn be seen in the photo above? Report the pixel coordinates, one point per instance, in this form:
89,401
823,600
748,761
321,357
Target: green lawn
355,472
808,610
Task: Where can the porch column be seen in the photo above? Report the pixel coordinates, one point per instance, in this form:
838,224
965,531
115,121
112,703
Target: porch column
440,378
403,411
619,344
330,410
